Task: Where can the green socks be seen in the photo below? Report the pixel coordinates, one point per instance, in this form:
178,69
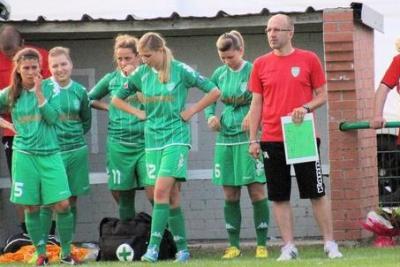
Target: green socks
233,218
38,224
46,214
74,212
64,227
176,224
33,225
126,205
158,223
261,220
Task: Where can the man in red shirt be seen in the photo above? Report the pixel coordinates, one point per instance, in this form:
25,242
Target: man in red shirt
10,43
389,81
288,81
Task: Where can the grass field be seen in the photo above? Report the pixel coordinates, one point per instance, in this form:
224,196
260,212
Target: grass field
309,256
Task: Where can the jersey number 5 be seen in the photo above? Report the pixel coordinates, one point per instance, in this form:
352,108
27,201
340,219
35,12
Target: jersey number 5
217,170
18,189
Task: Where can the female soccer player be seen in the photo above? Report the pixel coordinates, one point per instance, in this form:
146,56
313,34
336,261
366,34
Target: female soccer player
38,171
165,84
126,165
74,121
233,166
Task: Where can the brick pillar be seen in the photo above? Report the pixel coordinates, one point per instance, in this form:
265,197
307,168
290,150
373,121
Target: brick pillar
349,55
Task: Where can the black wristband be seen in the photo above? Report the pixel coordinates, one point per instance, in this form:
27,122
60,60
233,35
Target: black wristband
307,108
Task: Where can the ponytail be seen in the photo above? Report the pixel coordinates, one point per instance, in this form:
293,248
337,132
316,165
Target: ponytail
154,42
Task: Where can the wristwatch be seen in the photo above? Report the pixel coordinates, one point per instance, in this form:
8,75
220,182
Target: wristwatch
307,108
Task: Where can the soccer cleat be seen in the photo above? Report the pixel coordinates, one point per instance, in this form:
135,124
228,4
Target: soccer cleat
231,253
182,256
261,252
70,260
288,252
332,250
52,240
42,260
151,254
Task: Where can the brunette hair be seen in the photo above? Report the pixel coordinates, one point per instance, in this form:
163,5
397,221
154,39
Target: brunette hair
16,79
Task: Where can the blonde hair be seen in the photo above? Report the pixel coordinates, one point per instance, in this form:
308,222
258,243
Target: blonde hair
16,79
154,42
59,50
397,44
230,40
125,41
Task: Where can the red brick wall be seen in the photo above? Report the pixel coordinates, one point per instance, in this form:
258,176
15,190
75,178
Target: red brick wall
349,53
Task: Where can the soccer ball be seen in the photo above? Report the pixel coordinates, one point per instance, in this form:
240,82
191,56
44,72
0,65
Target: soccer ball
125,252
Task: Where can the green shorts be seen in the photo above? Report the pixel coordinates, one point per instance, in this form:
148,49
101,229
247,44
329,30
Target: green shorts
126,167
233,166
76,166
168,162
38,180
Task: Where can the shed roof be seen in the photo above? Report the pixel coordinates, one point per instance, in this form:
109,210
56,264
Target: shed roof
175,23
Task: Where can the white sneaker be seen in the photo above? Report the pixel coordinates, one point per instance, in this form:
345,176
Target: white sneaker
288,252
332,250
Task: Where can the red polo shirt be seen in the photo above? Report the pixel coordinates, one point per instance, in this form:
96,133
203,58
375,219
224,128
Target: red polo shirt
285,83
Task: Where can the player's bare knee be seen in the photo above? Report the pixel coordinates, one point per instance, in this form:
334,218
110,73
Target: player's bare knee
72,200
115,195
175,199
257,194
62,206
150,193
162,194
232,193
31,208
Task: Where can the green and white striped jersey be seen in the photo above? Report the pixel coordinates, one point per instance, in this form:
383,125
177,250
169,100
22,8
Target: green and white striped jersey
35,126
165,101
123,127
75,114
236,99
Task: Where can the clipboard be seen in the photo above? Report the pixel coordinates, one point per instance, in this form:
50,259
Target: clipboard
299,140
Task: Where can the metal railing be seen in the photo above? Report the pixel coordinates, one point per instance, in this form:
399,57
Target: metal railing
388,156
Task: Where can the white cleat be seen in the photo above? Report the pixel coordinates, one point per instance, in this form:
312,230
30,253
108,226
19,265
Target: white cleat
288,252
332,250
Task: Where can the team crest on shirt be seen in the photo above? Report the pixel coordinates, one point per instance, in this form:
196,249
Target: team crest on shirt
56,90
144,76
76,104
243,87
295,71
181,161
125,85
56,87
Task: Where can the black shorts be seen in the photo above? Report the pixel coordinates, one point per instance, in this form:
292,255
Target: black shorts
279,181
8,143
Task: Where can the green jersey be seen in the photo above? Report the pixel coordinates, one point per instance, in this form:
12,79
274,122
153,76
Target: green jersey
164,102
75,115
236,99
35,126
123,127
